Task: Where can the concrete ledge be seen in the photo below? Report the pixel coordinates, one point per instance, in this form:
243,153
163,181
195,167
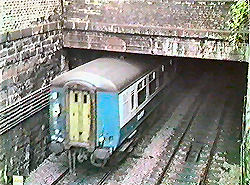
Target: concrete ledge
147,30
154,45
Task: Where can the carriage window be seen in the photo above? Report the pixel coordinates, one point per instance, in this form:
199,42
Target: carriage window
152,83
152,87
141,96
142,84
85,98
151,77
141,91
139,85
76,97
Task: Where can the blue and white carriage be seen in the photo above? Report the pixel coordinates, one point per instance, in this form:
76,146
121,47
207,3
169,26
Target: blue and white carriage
95,107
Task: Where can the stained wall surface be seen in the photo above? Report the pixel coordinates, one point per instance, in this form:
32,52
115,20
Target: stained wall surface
184,28
30,56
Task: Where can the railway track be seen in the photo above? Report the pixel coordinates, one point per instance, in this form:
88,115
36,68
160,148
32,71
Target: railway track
55,169
189,161
184,150
224,153
146,157
191,158
104,178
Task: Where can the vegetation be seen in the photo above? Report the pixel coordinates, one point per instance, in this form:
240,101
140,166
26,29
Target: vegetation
231,176
239,26
245,159
3,175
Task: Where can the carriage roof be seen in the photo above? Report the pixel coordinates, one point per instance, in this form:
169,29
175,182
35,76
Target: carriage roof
108,74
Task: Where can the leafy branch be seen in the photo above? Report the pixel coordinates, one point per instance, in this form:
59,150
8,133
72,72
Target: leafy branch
239,23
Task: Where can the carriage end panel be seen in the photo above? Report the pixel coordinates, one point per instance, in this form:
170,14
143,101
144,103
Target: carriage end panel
108,126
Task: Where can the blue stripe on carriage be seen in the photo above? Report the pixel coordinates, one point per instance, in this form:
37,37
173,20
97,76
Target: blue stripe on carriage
108,124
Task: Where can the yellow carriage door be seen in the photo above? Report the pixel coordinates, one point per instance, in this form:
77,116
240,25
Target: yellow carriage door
79,116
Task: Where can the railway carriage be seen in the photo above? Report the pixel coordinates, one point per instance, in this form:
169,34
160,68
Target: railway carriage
96,107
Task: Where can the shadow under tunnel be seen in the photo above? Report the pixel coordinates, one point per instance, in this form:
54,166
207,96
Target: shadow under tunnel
230,75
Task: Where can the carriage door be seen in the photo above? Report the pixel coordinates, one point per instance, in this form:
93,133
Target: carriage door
79,116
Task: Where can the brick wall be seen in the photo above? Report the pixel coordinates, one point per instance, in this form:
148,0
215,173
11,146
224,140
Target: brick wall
181,28
24,62
25,146
30,56
245,150
153,45
21,14
203,18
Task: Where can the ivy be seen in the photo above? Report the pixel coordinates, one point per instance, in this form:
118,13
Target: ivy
246,159
3,175
239,25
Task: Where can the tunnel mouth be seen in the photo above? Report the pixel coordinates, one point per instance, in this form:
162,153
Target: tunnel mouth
236,72
233,77
228,80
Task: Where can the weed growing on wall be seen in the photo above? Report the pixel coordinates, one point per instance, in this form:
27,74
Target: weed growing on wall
231,176
246,158
239,26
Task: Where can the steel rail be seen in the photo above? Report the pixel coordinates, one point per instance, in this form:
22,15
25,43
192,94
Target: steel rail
162,175
203,179
105,177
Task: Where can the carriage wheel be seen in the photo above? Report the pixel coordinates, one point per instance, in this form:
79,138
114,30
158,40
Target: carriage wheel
97,162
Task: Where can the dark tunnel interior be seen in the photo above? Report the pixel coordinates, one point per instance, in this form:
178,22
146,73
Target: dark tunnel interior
231,75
